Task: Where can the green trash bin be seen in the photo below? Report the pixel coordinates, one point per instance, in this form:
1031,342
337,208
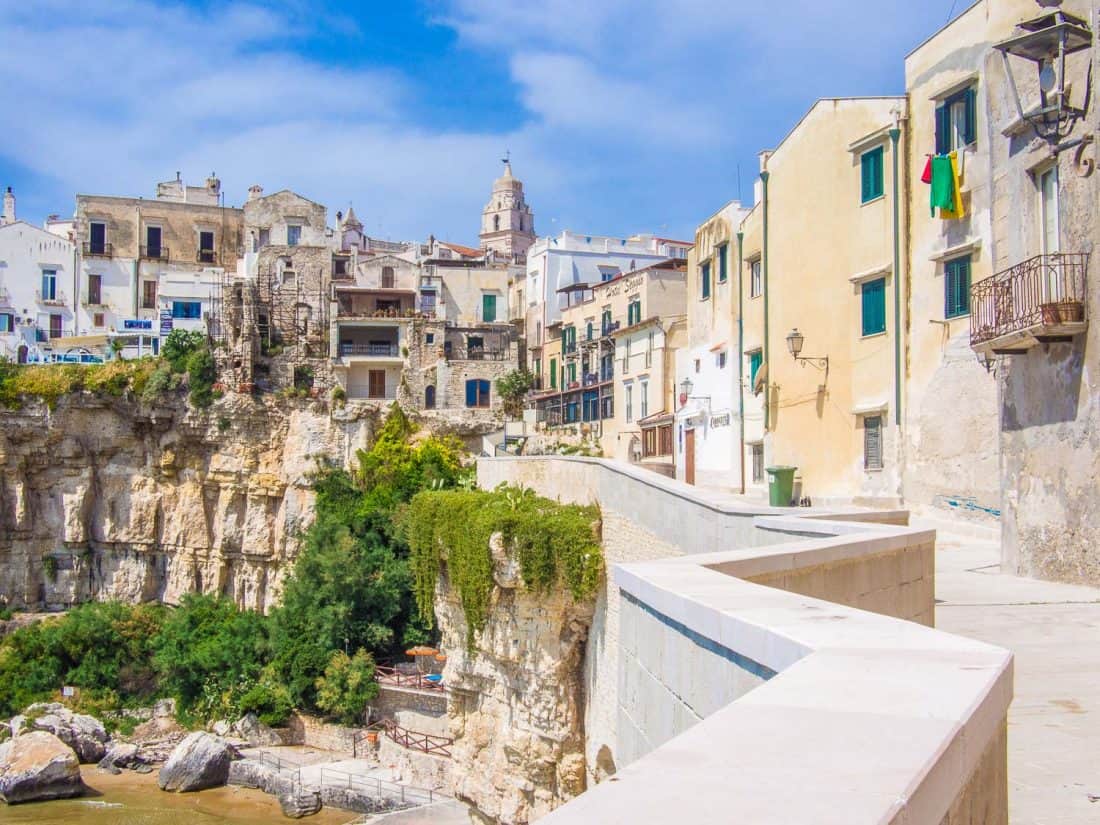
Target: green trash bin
780,485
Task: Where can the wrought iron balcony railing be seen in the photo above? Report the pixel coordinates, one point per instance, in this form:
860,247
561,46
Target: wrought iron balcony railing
1044,298
98,249
56,299
379,350
206,256
154,253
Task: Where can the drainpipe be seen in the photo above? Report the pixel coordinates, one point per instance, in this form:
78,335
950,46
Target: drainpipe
764,267
895,135
741,351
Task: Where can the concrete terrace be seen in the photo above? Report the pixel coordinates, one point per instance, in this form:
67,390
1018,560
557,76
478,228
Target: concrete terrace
1054,632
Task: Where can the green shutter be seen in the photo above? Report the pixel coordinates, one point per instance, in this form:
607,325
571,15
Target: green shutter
723,266
970,124
755,360
553,373
488,308
871,175
705,280
956,286
874,307
943,129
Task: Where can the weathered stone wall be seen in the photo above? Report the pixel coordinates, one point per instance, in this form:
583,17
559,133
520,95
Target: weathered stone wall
414,710
140,503
303,729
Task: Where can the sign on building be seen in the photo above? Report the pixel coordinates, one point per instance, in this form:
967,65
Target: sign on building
165,322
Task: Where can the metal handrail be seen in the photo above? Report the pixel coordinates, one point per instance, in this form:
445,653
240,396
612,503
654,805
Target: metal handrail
1042,290
369,349
392,676
155,253
58,298
206,256
104,250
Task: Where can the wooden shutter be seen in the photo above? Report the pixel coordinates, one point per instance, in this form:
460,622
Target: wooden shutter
970,121
872,443
943,129
874,307
488,308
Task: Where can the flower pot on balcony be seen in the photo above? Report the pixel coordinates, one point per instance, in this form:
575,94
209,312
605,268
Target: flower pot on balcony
1070,312
1051,316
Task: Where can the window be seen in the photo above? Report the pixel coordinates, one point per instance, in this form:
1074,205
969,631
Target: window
590,329
152,241
872,442
429,338
704,281
723,263
49,284
634,312
429,397
649,350
756,358
7,322
1048,210
605,321
376,384
387,277
293,235
265,238
98,320
489,308
628,390
591,406
757,463
649,442
874,306
756,278
553,373
571,369
97,238
95,291
956,287
187,309
643,396
206,247
956,121
339,266
720,359
148,294
607,406
477,392
496,223
870,164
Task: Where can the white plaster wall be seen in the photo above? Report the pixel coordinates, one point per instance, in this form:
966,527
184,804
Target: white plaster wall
25,251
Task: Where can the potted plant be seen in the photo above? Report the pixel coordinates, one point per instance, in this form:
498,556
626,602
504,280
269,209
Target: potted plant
1070,311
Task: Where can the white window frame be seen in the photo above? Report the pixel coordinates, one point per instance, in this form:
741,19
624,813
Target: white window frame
628,406
643,397
756,277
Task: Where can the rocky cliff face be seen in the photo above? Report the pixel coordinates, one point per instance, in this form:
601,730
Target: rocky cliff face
517,701
105,498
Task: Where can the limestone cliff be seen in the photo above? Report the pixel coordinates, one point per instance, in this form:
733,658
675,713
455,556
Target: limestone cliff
517,700
106,498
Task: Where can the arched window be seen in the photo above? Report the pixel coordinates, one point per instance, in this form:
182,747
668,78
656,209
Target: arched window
496,223
429,397
477,392
387,277
521,229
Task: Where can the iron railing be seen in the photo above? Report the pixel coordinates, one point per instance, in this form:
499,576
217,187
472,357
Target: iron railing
393,676
1046,290
154,253
57,299
206,256
93,249
385,350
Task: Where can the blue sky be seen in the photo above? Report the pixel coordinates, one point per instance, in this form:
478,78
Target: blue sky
621,115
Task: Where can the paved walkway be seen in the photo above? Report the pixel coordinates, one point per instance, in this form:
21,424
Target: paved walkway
1054,632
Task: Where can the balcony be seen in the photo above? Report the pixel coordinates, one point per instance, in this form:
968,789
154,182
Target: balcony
56,300
370,350
1041,300
207,256
154,253
98,249
92,301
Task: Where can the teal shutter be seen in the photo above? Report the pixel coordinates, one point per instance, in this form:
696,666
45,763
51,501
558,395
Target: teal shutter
871,175
956,285
488,308
755,360
723,266
705,279
874,307
970,125
943,129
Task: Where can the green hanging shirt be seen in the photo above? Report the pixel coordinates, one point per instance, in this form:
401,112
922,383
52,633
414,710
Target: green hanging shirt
943,184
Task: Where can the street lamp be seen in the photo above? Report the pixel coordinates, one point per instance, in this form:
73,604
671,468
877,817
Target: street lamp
795,340
686,387
1045,42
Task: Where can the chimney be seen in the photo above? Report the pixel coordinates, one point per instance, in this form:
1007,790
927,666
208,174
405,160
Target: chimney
255,191
8,215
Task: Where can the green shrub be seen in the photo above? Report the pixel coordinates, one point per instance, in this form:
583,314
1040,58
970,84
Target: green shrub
513,389
179,346
201,375
347,686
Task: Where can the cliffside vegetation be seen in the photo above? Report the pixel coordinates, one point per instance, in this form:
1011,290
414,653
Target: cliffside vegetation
148,378
347,599
556,545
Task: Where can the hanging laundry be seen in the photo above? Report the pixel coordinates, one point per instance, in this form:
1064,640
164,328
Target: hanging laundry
943,184
958,210
926,175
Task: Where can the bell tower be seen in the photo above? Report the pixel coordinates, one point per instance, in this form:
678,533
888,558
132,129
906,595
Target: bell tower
507,223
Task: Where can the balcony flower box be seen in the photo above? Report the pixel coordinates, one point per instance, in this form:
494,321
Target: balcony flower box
1070,312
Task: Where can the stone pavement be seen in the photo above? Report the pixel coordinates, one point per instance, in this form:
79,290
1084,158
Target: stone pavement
1054,632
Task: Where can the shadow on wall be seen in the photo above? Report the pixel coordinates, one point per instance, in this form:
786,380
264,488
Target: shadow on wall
1044,386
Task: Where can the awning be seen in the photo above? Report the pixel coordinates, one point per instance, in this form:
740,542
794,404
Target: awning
870,407
87,341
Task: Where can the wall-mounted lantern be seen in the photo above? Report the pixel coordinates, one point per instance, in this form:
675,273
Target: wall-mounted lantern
1046,42
795,340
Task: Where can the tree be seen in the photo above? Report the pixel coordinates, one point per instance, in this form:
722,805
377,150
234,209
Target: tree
512,389
347,686
179,346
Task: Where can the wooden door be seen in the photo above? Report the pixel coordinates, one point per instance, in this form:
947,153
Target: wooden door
689,456
376,384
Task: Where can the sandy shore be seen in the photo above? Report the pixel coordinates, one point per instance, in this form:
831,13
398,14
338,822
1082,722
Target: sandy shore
134,799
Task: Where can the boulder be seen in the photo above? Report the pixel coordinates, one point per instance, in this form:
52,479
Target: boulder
84,734
38,766
200,761
120,755
221,728
255,732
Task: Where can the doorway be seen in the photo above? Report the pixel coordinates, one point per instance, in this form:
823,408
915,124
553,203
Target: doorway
376,384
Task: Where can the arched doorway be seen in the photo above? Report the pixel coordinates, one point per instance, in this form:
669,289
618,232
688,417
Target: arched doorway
429,397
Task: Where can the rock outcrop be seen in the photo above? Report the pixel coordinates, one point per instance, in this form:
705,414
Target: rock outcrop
121,755
145,504
84,734
200,761
255,733
517,701
38,766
